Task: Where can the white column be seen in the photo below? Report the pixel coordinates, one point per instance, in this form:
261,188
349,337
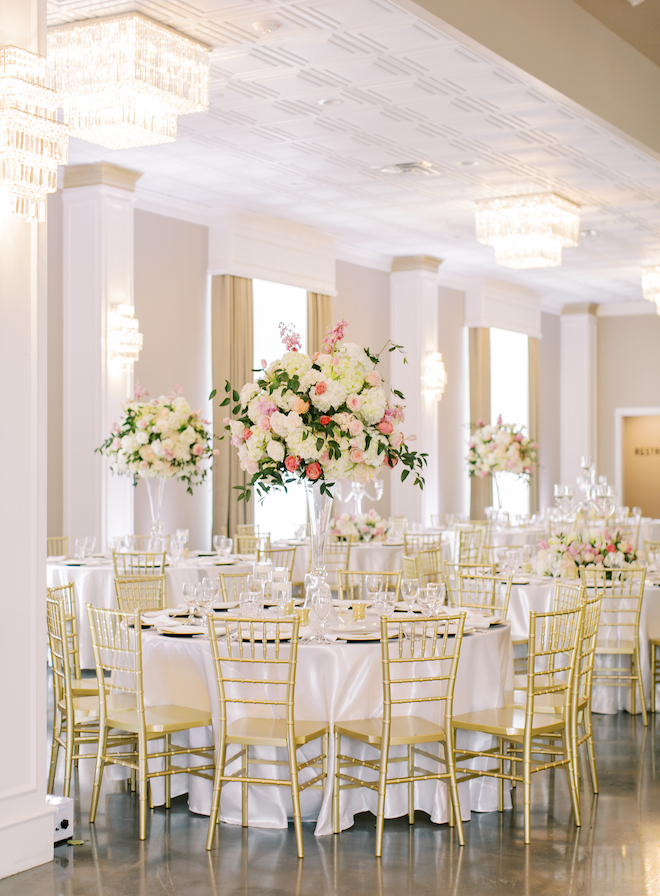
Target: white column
414,325
98,273
26,821
578,390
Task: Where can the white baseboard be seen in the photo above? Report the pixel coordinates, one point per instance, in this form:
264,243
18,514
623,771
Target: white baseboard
26,842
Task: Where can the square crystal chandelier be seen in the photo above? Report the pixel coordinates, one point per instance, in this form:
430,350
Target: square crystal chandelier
528,231
124,338
32,142
651,285
122,80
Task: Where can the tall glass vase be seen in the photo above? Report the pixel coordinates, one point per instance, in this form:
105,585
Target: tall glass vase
155,488
320,506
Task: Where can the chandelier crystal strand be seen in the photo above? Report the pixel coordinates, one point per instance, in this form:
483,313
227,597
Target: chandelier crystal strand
32,142
124,337
122,80
528,231
651,285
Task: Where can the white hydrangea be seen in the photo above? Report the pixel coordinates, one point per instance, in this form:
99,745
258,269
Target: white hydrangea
374,404
310,379
334,396
248,391
305,448
275,450
279,424
296,363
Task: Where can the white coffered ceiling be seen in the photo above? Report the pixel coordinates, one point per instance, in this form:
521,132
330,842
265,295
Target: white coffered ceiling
408,92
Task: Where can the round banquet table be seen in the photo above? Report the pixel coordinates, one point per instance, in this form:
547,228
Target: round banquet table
537,596
335,681
374,556
95,584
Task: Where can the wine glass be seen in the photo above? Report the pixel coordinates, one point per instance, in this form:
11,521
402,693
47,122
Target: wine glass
218,543
374,584
205,600
528,557
282,596
637,512
322,604
183,535
250,603
90,544
176,551
80,548
384,603
501,557
190,596
409,589
427,601
211,587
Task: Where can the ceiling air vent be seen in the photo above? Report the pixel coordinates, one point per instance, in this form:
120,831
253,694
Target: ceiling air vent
408,168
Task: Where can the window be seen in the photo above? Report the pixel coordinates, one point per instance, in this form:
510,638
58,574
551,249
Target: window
509,396
279,513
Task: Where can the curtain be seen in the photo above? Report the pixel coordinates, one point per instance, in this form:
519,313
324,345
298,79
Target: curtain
481,494
319,318
534,418
231,330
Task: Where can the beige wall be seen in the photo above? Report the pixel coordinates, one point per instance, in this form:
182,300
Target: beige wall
55,525
363,298
628,375
548,434
171,305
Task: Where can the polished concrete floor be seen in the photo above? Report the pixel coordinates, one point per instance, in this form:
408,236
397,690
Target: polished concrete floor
617,850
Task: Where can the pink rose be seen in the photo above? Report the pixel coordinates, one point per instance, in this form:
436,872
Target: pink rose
313,471
354,402
216,452
320,389
198,449
250,466
479,424
292,463
355,427
543,545
385,427
263,423
226,421
518,437
598,558
373,378
144,464
611,548
115,427
315,356
392,461
116,444
246,434
397,440
325,420
300,406
356,456
325,457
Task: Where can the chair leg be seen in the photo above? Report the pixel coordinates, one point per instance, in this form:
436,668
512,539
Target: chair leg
382,784
143,785
527,787
68,755
411,785
570,775
295,795
98,772
335,786
217,792
455,812
642,697
653,661
588,730
245,765
575,751
500,781
325,747
168,778
54,751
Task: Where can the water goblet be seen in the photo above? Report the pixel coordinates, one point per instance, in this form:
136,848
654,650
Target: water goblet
80,548
227,547
637,512
528,557
90,544
205,600
384,603
409,589
250,603
500,557
426,600
176,551
129,543
190,597
282,597
374,584
183,535
218,542
280,574
211,587
322,604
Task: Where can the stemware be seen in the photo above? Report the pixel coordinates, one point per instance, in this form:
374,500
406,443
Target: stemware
80,548
374,584
409,589
322,604
190,596
211,587
183,536
282,597
205,599
90,544
528,557
250,603
176,551
384,603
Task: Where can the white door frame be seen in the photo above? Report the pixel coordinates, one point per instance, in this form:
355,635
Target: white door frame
619,414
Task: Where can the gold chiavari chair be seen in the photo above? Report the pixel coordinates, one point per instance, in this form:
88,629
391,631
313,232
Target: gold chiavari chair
489,551
429,567
117,644
255,675
141,593
285,557
143,542
231,585
251,544
138,563
622,591
426,652
76,717
554,641
453,570
488,593
247,529
57,546
467,544
654,643
651,547
352,583
630,533
80,687
409,567
337,557
413,544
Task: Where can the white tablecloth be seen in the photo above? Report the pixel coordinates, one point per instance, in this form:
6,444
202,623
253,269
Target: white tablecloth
338,681
374,556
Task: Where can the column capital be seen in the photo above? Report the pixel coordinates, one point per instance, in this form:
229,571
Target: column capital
416,263
101,173
580,308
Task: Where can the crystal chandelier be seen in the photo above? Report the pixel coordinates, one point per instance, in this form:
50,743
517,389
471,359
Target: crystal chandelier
435,376
122,80
32,142
528,231
124,337
651,285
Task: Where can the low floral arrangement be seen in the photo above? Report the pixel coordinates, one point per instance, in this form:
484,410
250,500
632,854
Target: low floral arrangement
500,448
365,527
162,437
321,417
566,552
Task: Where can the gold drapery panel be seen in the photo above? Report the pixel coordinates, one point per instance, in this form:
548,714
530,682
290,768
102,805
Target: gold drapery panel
232,330
319,318
481,493
534,418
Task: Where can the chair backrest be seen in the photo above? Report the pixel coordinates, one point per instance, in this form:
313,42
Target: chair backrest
426,651
553,650
247,529
231,585
337,557
630,533
489,551
451,571
280,557
489,593
138,563
57,546
590,623
651,547
353,585
413,544
67,595
467,544
622,591
251,544
568,595
145,543
256,666
62,661
429,566
117,644
141,593
410,567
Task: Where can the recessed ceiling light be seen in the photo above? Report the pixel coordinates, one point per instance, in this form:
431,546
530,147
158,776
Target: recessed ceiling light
331,101
266,26
421,167
588,233
469,163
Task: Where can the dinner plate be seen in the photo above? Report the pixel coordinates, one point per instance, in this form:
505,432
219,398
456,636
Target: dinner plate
181,631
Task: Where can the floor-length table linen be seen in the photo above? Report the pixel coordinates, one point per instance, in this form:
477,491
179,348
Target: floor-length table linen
337,681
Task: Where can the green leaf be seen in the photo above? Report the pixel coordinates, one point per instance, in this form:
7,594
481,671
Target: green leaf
404,475
227,386
213,394
399,394
235,395
225,402
319,444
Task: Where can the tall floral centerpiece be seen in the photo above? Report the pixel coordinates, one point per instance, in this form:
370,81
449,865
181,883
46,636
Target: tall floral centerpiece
317,419
563,553
500,448
158,440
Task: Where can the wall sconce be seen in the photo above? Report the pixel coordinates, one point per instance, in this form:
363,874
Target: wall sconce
435,376
124,337
651,285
